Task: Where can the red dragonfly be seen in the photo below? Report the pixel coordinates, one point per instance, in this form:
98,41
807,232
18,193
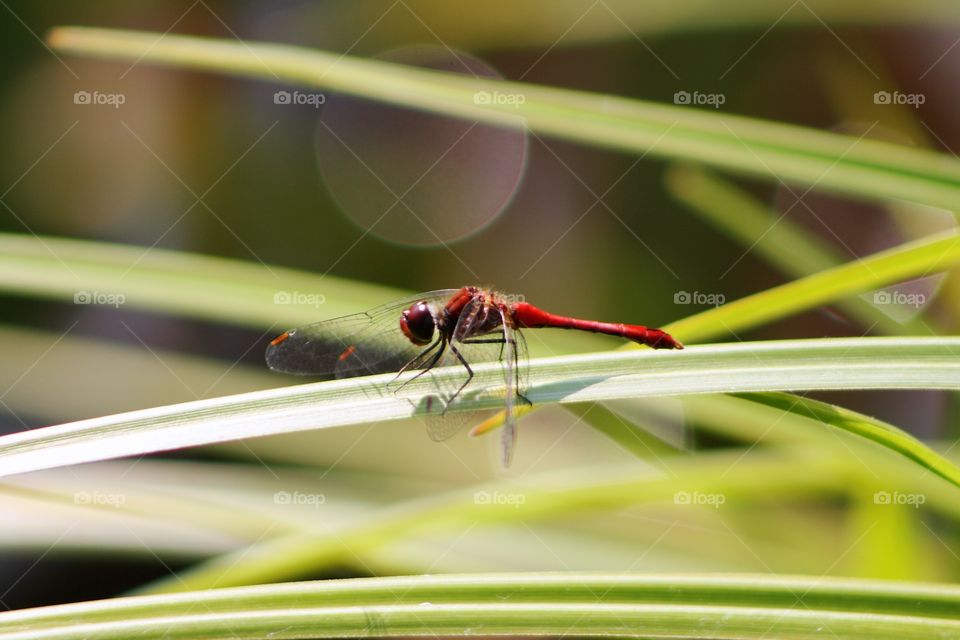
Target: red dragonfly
438,328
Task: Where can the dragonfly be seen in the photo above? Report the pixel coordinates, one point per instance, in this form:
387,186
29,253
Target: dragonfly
447,327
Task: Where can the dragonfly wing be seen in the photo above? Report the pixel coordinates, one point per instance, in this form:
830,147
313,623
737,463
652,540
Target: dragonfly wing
502,344
515,362
505,345
443,426
355,345
339,348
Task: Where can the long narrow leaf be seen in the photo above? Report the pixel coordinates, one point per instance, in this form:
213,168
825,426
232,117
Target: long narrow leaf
861,363
856,166
237,292
779,241
177,282
802,470
922,257
261,296
666,606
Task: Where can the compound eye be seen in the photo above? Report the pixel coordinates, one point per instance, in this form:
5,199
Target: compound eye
417,324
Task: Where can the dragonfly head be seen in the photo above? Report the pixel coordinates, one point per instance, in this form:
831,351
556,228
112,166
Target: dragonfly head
417,323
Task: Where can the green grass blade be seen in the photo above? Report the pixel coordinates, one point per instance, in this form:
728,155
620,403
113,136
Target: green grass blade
237,292
856,423
921,257
859,167
129,372
222,290
911,260
177,282
851,363
538,23
805,471
624,431
668,606
787,246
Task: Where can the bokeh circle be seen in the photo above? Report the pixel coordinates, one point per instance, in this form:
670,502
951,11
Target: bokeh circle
416,178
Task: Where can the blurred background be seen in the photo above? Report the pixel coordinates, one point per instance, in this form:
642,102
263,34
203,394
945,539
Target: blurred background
272,175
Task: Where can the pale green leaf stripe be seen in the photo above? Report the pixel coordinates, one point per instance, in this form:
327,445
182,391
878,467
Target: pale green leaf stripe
841,363
859,167
551,604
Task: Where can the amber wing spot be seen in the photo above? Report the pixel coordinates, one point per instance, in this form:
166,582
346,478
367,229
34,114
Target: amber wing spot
347,353
280,338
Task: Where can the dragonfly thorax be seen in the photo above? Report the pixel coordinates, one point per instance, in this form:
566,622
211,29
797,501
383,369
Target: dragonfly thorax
473,312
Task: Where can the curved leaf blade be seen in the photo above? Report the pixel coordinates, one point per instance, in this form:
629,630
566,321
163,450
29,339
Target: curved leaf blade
670,606
860,167
848,363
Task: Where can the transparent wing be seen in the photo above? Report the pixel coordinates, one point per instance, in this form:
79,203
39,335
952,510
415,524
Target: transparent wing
515,378
355,345
514,375
501,344
443,425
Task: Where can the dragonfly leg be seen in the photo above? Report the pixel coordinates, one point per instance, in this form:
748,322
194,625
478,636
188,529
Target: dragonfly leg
412,363
516,373
421,355
516,360
463,361
499,341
